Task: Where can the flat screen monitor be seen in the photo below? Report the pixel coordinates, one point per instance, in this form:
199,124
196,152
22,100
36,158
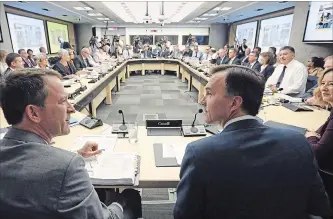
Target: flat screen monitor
275,32
26,33
319,24
247,31
56,30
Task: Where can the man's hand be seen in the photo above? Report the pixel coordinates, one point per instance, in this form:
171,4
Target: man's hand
89,149
274,89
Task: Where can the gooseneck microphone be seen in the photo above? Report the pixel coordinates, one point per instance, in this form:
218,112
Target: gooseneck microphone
193,128
123,126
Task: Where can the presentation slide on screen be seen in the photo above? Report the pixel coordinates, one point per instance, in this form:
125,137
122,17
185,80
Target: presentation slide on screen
275,32
247,31
319,24
26,33
54,31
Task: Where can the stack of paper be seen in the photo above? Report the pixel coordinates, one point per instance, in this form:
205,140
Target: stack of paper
174,150
111,168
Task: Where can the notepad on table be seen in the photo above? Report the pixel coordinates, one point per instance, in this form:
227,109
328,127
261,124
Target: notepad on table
285,126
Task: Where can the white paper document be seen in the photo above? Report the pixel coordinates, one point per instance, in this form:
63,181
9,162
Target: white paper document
168,150
174,150
105,142
180,152
113,166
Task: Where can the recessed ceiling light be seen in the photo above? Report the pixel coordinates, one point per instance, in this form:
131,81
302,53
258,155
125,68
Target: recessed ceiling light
83,8
283,2
95,14
103,18
109,21
65,15
45,9
222,9
22,2
200,18
260,9
209,15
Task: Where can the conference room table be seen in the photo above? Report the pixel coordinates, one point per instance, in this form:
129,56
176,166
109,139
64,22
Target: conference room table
150,175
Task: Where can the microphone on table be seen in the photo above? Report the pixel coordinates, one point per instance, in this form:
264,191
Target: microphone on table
89,121
120,128
193,128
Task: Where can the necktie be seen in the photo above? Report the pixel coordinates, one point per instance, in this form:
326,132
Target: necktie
196,54
281,77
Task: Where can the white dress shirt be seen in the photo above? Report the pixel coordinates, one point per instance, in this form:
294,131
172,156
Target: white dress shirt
294,81
206,56
3,68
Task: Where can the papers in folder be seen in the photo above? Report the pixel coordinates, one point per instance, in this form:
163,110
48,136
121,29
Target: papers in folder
105,142
172,150
113,169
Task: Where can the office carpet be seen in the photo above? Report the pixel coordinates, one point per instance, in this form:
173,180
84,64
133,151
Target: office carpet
149,96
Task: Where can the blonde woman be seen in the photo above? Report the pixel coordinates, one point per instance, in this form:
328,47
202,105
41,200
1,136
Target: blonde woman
322,139
41,60
3,65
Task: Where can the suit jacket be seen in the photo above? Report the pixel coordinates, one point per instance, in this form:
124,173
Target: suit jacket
255,67
222,61
323,146
189,53
80,64
250,170
236,61
245,60
63,70
197,54
268,71
41,181
27,64
32,61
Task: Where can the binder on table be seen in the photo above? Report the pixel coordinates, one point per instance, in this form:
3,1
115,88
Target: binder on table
114,169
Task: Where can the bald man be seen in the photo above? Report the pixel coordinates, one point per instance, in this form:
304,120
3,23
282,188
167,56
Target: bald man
82,61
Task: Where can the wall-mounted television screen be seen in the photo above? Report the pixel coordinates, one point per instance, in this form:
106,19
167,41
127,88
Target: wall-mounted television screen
54,31
26,33
319,25
247,31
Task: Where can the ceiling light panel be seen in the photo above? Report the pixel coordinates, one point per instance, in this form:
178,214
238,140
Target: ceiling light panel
200,18
83,8
103,18
135,11
222,9
209,15
95,14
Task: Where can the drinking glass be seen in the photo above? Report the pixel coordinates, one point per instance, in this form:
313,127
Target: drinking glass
133,133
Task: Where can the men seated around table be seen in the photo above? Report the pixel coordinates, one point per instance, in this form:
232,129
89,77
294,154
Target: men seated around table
267,67
3,64
315,66
31,57
253,62
14,61
290,76
65,67
246,58
146,53
39,180
175,53
196,52
187,52
82,61
208,54
233,60
42,61
258,50
322,139
127,52
222,58
249,170
24,56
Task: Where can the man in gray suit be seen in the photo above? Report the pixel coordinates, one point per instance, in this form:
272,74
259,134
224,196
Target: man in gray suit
38,180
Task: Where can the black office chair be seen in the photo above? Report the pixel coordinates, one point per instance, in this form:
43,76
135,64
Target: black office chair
327,178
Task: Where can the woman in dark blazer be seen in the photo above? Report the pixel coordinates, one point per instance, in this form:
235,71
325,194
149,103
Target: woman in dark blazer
64,65
322,139
267,67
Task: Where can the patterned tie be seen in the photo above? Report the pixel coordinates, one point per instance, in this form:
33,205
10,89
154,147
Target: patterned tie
281,77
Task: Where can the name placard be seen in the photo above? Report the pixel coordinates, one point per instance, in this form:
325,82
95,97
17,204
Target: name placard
164,123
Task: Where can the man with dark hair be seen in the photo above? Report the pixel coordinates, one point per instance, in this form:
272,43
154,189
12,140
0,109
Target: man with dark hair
290,76
31,57
253,61
233,60
257,49
37,179
24,56
42,50
249,170
14,62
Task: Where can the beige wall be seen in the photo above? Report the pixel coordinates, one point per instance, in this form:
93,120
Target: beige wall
7,45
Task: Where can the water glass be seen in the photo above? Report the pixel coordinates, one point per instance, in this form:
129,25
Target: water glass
133,133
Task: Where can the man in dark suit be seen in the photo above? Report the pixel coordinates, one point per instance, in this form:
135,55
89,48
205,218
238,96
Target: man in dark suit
249,170
233,60
223,58
14,62
82,61
39,180
24,56
246,58
253,62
